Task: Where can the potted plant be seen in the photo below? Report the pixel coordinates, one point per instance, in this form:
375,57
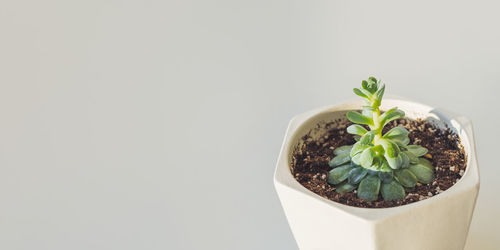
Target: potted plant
385,178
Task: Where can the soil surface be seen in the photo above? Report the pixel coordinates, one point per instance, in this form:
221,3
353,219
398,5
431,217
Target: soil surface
310,162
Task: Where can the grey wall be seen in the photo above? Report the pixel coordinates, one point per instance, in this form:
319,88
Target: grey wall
157,124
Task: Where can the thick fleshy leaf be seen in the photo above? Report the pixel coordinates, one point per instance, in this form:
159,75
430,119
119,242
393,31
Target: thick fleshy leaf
369,188
357,137
364,84
425,162
377,160
401,142
357,148
386,177
367,112
339,160
392,191
345,188
343,150
417,150
356,129
406,177
356,117
378,149
356,160
406,160
394,162
369,108
356,175
423,173
412,157
366,158
363,93
396,132
367,138
384,167
391,149
380,91
372,85
390,115
378,96
388,112
339,174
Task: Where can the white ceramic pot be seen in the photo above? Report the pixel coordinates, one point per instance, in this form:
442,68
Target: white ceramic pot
437,223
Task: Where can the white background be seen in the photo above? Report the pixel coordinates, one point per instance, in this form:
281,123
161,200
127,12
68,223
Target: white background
157,124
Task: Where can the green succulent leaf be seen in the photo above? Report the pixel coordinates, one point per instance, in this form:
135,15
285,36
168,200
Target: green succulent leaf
366,158
394,163
345,188
401,142
378,149
339,174
411,156
390,115
391,148
364,84
406,178
425,162
356,175
391,110
367,112
342,150
378,96
367,138
396,133
392,191
356,129
376,162
417,150
339,160
357,148
363,93
370,108
406,160
369,188
356,117
384,167
356,160
371,85
423,173
385,177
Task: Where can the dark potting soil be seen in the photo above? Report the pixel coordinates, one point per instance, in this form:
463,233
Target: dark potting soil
310,162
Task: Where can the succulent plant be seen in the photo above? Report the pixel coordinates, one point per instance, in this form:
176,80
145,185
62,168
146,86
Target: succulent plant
377,162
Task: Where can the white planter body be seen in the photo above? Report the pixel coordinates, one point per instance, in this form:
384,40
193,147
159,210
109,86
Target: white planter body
437,223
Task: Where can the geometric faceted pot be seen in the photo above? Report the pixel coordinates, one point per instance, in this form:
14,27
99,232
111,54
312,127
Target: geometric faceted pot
440,222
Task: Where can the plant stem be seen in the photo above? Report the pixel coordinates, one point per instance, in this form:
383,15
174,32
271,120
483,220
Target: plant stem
376,126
